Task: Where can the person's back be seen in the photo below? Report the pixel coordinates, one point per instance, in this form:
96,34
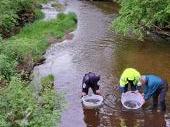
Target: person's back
153,82
129,76
93,79
90,80
155,86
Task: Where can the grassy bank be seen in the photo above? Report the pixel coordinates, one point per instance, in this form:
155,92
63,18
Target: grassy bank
16,13
19,53
19,105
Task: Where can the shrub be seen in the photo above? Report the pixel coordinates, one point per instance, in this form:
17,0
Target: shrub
21,107
17,12
17,103
47,83
20,48
7,67
32,41
138,15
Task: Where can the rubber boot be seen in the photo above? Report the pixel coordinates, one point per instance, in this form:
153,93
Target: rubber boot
155,102
153,107
163,106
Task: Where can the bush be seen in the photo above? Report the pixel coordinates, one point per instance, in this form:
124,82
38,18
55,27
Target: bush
17,102
20,48
20,107
38,14
47,83
7,67
17,12
136,16
32,41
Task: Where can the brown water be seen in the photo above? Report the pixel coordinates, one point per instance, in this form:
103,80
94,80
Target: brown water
95,48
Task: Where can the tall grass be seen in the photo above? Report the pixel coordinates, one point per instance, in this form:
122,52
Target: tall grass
32,41
19,106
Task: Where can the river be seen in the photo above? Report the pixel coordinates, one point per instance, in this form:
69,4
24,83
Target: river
96,48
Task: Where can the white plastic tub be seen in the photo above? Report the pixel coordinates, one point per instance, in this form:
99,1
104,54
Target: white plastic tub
92,101
132,100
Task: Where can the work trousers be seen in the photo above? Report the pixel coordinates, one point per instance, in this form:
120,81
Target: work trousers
161,93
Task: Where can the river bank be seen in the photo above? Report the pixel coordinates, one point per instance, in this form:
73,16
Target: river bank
20,105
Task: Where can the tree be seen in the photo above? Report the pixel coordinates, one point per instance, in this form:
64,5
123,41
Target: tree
137,16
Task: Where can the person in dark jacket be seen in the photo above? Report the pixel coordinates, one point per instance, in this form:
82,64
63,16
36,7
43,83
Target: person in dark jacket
90,80
155,87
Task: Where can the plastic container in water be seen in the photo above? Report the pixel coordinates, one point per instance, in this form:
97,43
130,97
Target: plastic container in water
132,100
92,101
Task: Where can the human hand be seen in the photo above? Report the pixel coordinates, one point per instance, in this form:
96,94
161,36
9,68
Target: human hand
136,91
98,92
123,94
143,98
83,94
143,101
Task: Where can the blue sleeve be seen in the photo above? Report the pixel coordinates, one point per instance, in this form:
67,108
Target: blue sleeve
147,95
145,89
148,92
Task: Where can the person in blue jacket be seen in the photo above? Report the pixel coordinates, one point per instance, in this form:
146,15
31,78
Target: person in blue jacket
155,87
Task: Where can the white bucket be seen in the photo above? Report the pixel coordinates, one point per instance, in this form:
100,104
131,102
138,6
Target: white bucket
132,100
92,101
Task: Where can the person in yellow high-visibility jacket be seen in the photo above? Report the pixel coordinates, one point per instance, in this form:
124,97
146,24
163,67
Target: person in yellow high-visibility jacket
130,76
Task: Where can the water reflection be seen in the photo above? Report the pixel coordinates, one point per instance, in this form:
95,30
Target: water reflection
131,119
154,120
147,56
91,117
105,7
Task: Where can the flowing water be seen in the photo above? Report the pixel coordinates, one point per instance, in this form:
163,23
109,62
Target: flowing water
96,48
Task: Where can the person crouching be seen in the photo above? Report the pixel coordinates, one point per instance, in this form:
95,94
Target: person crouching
155,87
90,80
130,76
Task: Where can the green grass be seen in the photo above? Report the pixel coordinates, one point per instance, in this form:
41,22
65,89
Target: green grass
12,14
32,41
19,107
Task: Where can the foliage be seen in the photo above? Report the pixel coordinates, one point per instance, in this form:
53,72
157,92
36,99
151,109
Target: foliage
138,15
20,107
32,41
16,102
38,14
47,82
7,67
17,12
20,48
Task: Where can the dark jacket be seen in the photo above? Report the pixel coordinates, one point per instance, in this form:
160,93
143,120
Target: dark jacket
90,79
